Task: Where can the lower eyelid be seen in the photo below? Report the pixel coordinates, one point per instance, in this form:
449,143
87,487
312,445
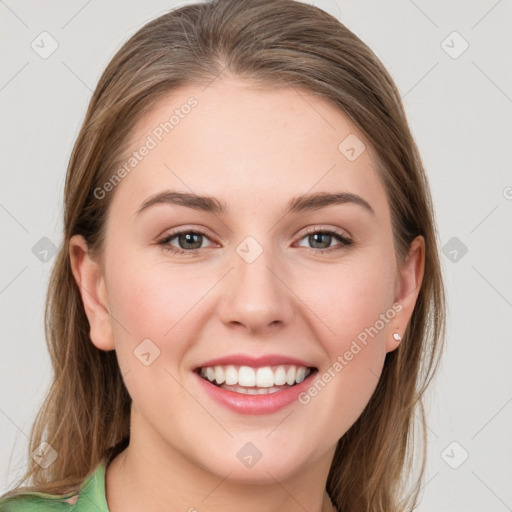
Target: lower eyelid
343,241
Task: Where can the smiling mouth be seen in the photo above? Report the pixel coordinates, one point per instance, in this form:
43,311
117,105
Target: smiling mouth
255,381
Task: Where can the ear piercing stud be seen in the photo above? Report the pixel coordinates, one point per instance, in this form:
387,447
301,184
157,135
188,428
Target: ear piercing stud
397,336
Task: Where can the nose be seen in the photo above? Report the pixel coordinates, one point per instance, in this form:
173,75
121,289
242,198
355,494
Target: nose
256,294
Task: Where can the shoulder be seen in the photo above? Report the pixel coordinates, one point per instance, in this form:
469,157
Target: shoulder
36,502
92,490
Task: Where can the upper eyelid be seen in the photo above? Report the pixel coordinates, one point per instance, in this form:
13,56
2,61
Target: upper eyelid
309,230
173,234
336,231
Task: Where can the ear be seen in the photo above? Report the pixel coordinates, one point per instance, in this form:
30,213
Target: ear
408,288
90,281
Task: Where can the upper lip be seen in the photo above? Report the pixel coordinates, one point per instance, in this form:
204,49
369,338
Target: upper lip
255,362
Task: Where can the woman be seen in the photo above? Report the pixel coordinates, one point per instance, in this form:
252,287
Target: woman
277,362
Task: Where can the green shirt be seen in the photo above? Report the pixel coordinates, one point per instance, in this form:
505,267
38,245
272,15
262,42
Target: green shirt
91,498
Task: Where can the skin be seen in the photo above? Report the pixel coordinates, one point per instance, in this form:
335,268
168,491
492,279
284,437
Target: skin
255,149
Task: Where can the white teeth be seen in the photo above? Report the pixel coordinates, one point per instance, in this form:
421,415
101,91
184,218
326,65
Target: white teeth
210,374
253,391
246,376
280,376
219,374
231,375
301,375
290,376
265,378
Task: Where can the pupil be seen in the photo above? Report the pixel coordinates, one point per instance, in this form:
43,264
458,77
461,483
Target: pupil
312,237
187,236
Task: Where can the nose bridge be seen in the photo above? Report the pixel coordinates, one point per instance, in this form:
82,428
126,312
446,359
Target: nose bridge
256,295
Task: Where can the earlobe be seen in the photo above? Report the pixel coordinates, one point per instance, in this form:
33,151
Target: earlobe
409,285
91,283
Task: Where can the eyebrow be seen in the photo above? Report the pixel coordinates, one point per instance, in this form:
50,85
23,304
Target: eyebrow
303,203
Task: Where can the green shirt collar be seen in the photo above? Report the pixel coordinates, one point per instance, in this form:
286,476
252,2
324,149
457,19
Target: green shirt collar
92,494
91,497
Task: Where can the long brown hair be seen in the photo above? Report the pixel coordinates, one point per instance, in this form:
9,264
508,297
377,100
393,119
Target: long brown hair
85,416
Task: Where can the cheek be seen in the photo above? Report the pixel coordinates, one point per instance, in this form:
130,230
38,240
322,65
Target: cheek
350,300
354,318
356,315
150,298
150,301
153,320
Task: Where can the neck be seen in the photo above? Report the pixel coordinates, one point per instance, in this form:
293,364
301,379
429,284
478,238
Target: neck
151,480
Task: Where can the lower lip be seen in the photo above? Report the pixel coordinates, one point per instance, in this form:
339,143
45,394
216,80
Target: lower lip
255,404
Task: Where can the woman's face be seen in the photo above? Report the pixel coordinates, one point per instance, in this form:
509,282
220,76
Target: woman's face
250,286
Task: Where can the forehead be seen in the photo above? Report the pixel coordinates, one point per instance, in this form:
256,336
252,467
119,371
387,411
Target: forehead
247,145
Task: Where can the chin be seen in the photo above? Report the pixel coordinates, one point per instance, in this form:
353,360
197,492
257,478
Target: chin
265,465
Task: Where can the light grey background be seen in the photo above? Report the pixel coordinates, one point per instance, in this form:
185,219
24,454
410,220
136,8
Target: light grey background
459,111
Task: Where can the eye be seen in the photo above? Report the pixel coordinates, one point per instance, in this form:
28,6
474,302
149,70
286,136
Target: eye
323,238
189,241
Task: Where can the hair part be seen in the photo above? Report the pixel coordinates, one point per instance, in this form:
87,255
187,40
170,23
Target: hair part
85,416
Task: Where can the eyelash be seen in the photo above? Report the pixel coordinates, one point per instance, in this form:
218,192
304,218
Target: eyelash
337,235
